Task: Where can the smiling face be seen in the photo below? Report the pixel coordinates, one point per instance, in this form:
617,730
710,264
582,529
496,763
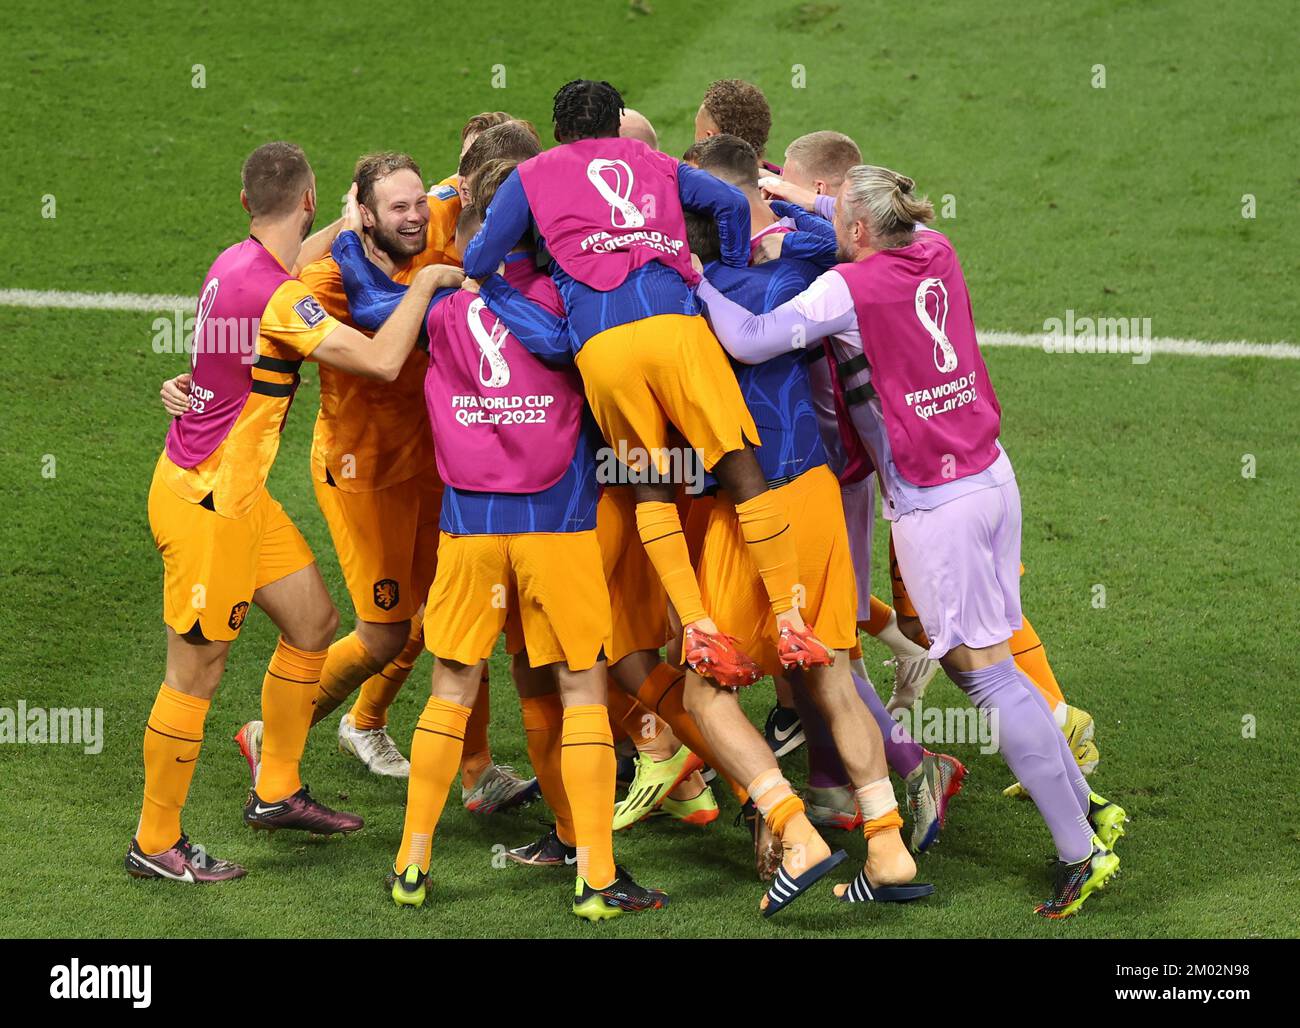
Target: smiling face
398,215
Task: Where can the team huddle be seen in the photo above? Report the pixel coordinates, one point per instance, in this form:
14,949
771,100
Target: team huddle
630,413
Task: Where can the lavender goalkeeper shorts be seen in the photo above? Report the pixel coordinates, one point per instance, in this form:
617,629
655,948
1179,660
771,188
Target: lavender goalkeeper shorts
961,565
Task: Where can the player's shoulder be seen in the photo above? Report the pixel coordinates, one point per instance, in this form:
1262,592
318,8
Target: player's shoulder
322,272
293,306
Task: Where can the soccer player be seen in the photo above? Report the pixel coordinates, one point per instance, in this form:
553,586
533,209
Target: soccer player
779,391
793,459
925,409
518,525
635,125
375,481
815,167
646,357
665,774
736,108
225,542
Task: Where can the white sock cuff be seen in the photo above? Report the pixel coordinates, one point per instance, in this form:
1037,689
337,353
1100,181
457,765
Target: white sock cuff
876,799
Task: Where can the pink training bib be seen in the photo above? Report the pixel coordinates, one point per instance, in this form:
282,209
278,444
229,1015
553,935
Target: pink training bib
918,337
235,293
503,421
606,207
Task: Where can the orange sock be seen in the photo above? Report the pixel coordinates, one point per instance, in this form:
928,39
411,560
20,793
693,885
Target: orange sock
289,692
640,725
543,726
660,530
880,614
663,693
435,755
379,690
1031,658
781,808
348,665
478,754
587,766
766,527
172,738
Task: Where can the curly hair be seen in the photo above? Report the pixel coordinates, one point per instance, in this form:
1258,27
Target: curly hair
739,108
585,109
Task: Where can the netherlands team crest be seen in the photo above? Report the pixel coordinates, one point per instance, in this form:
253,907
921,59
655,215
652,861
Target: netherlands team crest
386,594
237,614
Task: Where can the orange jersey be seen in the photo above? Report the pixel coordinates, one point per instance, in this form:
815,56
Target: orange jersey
245,370
370,435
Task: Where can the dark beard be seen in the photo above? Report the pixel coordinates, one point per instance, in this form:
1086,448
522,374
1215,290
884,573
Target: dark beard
309,224
395,246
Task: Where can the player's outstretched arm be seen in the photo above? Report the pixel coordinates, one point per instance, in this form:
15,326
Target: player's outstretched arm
704,194
542,333
779,189
754,338
383,356
504,224
372,295
317,245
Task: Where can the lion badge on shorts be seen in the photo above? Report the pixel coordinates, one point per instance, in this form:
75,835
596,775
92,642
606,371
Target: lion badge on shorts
386,593
237,614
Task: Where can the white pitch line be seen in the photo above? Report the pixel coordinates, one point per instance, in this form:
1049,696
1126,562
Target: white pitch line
56,299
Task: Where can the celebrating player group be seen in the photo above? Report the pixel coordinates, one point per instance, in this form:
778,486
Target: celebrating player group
632,413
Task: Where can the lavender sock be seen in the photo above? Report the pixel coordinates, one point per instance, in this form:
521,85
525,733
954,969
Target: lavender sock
1027,739
825,770
1082,790
903,753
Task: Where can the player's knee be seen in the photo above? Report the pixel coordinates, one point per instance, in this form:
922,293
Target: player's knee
315,627
383,641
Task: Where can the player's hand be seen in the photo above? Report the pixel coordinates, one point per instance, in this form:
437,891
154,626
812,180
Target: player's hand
697,264
175,395
352,212
769,248
780,189
470,285
441,276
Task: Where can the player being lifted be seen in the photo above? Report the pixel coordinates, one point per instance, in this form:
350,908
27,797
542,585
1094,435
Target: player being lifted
225,542
647,359
518,540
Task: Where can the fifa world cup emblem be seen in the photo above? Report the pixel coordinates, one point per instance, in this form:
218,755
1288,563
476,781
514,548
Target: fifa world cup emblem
613,181
493,371
945,357
206,302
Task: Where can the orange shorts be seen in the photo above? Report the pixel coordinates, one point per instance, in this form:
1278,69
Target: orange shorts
638,605
554,580
212,565
387,544
826,592
664,370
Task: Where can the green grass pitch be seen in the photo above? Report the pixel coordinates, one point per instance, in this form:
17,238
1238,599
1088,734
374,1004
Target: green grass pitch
1125,201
